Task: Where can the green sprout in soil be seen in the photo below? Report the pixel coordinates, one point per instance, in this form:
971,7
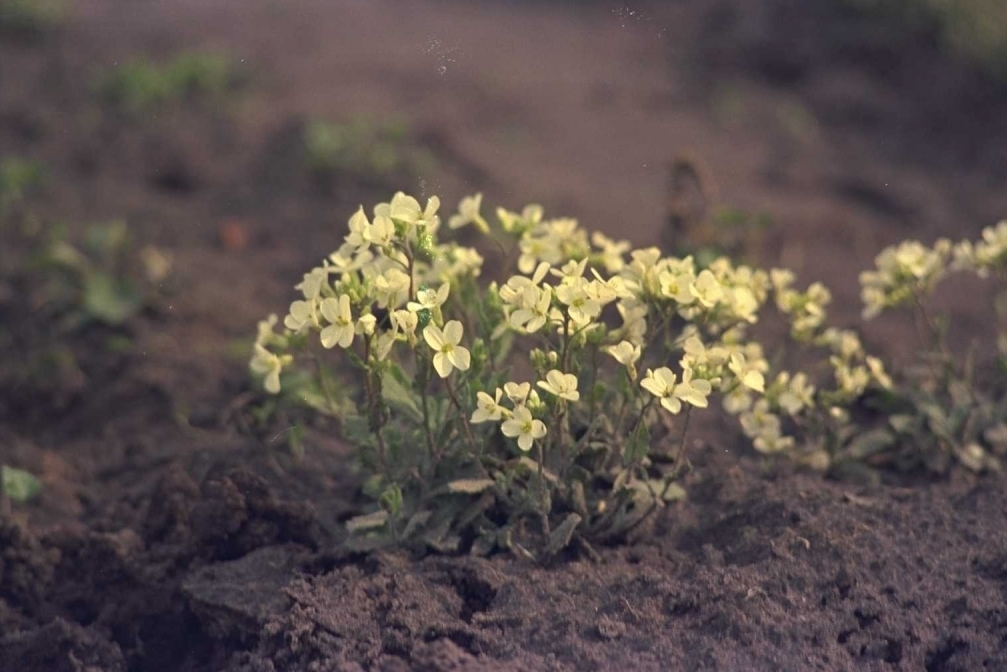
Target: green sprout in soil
364,147
18,178
972,30
18,485
103,281
549,410
141,85
66,298
30,18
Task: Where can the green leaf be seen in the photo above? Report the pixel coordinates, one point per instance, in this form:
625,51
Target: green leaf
398,396
504,344
391,499
109,301
869,443
416,521
19,484
470,486
639,444
560,537
903,423
532,467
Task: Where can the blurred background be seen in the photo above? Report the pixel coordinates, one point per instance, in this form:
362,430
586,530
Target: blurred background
236,137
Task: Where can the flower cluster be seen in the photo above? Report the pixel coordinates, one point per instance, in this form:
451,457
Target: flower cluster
904,273
613,337
389,264
988,254
806,310
517,422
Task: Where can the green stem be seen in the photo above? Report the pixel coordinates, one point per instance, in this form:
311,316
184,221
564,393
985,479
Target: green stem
374,412
543,510
464,417
677,470
432,451
323,380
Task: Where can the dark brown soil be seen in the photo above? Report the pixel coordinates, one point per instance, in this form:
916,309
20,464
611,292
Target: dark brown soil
169,538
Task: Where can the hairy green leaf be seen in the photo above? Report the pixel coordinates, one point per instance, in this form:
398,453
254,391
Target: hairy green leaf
19,484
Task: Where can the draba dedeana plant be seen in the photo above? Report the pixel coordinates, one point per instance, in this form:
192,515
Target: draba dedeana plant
945,413
534,412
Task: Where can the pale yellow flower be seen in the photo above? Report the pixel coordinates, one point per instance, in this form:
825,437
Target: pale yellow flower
345,260
738,400
405,321
748,373
407,209
610,255
580,306
522,426
391,288
796,394
269,365
449,354
517,392
429,299
381,232
625,353
634,323
265,330
677,286
877,369
707,290
515,223
694,392
341,326
302,315
366,324
311,285
699,356
661,384
488,409
535,313
358,238
468,213
563,385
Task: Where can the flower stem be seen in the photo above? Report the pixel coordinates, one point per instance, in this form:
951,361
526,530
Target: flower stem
463,415
680,453
543,509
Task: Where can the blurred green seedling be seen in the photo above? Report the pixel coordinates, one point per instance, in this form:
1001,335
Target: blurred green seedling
19,485
362,146
18,178
141,85
31,18
102,281
971,30
735,233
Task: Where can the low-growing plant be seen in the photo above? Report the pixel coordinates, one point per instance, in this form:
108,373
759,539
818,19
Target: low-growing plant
62,299
18,178
17,484
534,413
141,85
943,414
362,146
972,30
30,18
103,281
